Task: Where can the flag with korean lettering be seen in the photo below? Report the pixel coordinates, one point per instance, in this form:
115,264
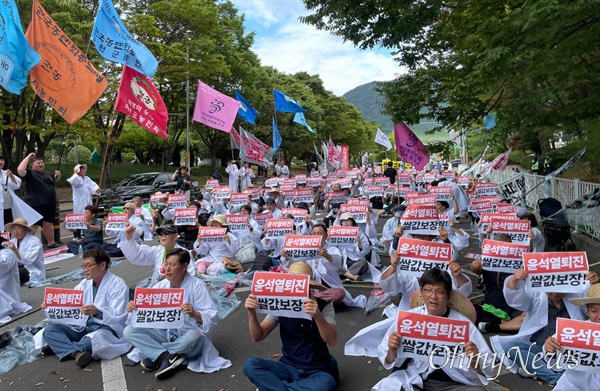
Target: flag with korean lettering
425,336
286,104
114,42
563,272
253,150
141,101
157,308
417,256
409,146
503,257
17,57
281,294
214,109
246,111
580,343
63,306
64,78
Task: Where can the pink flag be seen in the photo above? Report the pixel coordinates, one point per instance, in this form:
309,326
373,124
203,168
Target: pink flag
214,109
253,150
344,157
410,147
234,138
140,100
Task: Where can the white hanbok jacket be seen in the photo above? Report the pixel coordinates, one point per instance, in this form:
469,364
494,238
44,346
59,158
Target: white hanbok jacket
32,257
111,298
413,374
197,295
83,188
19,207
247,176
536,305
10,299
214,252
234,176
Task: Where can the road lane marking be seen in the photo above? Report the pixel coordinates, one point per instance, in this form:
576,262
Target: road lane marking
113,376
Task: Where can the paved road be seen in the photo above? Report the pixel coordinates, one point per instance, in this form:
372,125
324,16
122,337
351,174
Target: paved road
230,337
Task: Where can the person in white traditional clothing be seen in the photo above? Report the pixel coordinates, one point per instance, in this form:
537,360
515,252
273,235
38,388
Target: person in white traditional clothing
246,173
83,188
255,232
105,302
145,215
10,183
537,243
234,176
271,205
10,298
114,249
215,254
573,379
282,170
165,350
144,255
28,249
540,323
436,298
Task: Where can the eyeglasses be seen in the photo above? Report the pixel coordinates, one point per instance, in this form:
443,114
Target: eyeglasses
166,233
431,292
87,266
127,207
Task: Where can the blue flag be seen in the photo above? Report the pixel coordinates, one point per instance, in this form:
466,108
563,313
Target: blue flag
17,57
246,112
115,43
286,104
276,137
299,119
489,121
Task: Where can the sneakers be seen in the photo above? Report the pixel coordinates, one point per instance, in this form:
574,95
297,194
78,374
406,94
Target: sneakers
168,366
526,375
82,359
150,365
47,350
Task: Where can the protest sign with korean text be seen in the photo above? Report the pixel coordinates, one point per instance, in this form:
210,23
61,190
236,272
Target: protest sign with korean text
261,218
345,183
281,294
358,201
238,199
116,222
481,206
423,335
238,223
342,236
301,179
221,193
212,234
272,182
158,308
278,228
177,201
486,189
298,213
563,272
336,197
518,230
442,193
579,340
463,181
397,191
302,247
158,199
502,257
313,182
75,221
421,199
63,306
375,191
403,180
305,195
422,220
417,256
211,183
377,170
253,193
289,195
290,181
486,218
382,181
359,211
353,174
185,216
514,188
505,208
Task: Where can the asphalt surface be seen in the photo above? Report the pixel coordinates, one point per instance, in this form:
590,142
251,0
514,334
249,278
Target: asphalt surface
230,337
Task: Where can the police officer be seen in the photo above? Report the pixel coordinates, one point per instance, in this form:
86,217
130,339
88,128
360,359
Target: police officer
535,165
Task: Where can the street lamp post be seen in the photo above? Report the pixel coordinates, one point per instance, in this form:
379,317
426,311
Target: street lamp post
187,110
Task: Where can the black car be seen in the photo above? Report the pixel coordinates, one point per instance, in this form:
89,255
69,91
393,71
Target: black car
143,185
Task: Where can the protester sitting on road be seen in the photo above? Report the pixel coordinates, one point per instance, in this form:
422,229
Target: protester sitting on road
157,208
538,243
354,258
254,231
105,301
10,298
144,255
275,244
305,363
333,208
91,236
165,350
540,322
436,298
573,379
213,254
28,249
114,249
271,205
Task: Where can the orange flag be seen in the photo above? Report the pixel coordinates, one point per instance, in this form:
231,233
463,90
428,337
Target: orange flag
64,78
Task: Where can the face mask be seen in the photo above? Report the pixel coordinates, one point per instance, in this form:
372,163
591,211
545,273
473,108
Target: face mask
398,214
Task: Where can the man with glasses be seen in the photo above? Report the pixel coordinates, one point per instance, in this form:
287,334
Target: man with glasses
114,249
144,255
165,350
105,300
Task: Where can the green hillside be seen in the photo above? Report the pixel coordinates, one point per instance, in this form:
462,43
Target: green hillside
370,104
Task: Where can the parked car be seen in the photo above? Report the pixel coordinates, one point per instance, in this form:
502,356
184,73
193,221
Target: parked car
143,185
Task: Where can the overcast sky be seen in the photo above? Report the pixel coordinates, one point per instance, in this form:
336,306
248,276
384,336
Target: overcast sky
283,42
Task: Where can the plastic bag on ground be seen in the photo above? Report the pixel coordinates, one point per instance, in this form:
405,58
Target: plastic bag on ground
378,298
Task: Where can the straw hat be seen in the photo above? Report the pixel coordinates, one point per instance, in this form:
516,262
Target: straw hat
457,302
347,216
221,219
19,221
305,269
593,297
273,190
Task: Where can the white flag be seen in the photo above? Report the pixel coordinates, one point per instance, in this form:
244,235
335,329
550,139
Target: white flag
383,140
